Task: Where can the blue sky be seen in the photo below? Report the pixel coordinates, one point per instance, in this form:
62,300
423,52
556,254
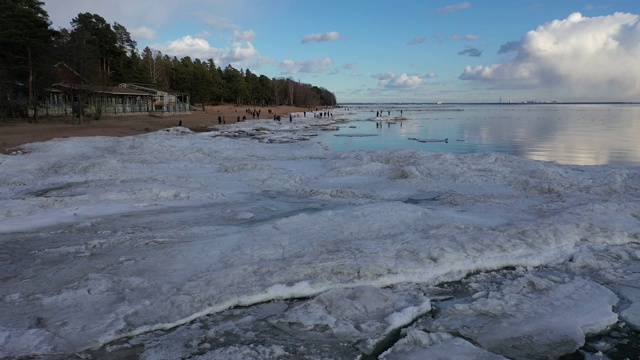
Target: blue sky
400,50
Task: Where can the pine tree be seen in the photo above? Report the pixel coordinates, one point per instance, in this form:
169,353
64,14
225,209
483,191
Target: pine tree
26,40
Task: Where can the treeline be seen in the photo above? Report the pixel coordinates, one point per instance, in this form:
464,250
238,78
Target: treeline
103,54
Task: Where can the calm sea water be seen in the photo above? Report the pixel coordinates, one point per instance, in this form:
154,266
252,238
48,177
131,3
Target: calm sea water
585,134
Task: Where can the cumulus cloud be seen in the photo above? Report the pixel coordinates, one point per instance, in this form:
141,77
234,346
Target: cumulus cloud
456,7
589,58
189,46
390,80
418,40
329,36
241,54
473,52
405,81
238,54
309,66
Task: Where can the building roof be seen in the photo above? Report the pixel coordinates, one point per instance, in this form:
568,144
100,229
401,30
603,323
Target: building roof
151,88
113,90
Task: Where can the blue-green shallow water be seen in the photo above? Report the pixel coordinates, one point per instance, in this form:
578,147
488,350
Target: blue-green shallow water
584,134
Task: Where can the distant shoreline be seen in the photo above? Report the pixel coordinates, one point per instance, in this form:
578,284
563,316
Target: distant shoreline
15,133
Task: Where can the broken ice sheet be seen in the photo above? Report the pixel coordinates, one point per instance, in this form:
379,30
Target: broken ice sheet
364,315
533,316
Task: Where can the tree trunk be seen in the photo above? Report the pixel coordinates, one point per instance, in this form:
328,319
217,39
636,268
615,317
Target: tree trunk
81,106
290,93
30,86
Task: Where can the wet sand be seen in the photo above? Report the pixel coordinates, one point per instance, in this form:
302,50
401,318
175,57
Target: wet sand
17,132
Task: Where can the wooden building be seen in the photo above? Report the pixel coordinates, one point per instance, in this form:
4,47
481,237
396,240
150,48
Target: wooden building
73,94
125,99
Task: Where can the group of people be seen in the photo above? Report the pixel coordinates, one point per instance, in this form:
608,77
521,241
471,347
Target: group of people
255,113
222,120
380,113
322,114
278,118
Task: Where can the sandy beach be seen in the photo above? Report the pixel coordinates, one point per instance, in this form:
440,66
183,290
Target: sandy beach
17,132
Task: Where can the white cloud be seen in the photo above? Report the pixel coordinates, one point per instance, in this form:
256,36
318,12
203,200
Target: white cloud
143,32
188,46
247,35
330,36
288,66
588,58
355,73
239,54
390,80
309,66
456,7
405,81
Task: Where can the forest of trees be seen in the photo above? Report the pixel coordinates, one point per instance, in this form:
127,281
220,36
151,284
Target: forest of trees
104,54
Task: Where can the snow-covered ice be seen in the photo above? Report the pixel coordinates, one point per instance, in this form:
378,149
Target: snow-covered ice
158,243
417,344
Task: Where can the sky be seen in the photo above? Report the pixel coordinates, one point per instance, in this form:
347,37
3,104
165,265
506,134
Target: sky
400,50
